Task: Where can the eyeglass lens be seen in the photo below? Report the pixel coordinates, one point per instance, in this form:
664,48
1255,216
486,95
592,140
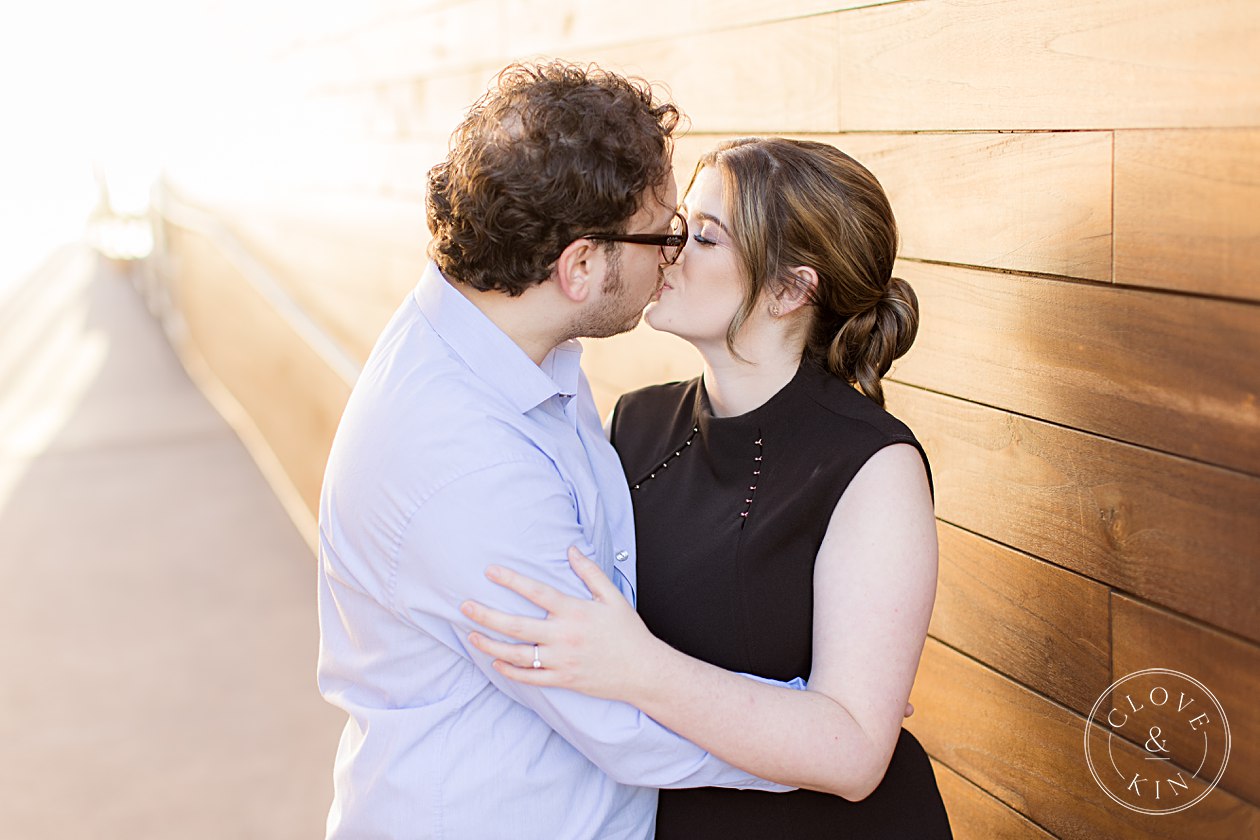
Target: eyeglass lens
678,227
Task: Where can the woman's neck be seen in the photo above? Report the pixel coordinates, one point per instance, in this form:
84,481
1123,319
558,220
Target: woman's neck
736,387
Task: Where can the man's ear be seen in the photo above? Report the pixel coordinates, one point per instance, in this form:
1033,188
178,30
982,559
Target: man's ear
579,270
797,289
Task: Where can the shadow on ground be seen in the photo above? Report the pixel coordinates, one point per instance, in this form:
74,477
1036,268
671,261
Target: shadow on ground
157,605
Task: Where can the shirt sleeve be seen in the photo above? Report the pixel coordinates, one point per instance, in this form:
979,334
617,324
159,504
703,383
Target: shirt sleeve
521,515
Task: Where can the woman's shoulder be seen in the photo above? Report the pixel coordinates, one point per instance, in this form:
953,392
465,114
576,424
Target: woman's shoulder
842,411
649,414
663,399
837,401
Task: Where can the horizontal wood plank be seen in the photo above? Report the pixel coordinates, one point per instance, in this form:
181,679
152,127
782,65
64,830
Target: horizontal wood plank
1041,625
1037,202
797,91
1144,367
1036,64
1149,637
484,35
1188,210
680,69
975,815
1027,752
1176,532
1027,202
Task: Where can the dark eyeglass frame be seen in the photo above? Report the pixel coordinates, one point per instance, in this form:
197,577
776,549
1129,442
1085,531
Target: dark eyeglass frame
674,241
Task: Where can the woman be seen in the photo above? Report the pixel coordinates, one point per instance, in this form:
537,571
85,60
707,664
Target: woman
783,519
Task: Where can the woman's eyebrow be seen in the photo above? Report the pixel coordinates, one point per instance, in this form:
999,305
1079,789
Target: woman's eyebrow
706,217
709,217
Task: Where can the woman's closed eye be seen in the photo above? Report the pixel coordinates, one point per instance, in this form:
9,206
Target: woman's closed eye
700,240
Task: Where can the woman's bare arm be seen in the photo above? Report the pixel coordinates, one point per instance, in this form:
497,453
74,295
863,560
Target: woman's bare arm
874,584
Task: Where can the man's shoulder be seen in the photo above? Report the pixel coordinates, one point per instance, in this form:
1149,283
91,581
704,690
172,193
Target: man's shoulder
434,418
421,417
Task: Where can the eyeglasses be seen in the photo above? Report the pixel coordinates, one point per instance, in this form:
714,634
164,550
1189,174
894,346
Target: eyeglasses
671,244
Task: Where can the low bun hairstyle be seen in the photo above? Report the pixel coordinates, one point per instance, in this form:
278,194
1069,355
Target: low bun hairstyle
863,349
800,203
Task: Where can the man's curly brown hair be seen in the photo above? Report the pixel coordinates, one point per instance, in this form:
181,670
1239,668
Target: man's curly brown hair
552,151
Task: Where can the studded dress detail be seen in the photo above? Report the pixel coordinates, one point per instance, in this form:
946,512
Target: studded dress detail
729,515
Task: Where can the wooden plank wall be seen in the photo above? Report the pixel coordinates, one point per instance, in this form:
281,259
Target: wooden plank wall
1078,189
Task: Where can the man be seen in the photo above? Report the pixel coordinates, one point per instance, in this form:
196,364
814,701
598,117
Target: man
471,438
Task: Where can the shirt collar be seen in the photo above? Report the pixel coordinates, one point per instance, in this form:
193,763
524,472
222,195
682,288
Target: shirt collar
489,352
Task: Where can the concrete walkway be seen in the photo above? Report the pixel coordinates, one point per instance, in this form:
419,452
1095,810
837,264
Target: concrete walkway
157,607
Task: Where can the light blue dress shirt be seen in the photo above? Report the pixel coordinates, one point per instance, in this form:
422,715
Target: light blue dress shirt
457,451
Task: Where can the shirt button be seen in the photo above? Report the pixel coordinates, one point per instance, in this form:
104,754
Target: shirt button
621,555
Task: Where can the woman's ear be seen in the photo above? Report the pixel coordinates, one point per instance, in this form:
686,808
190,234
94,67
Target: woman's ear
578,270
796,290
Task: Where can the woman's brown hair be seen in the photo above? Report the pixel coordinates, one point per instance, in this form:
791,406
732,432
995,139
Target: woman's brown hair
800,203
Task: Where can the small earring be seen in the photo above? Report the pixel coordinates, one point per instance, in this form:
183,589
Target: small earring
774,309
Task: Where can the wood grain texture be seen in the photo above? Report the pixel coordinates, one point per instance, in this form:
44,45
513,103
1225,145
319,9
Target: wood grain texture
799,87
1172,531
484,35
1027,752
722,85
267,367
975,815
1188,210
348,261
1037,64
1036,202
1040,625
1144,367
1028,202
1149,637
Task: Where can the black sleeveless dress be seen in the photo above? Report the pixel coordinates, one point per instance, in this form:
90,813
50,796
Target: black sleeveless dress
729,515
